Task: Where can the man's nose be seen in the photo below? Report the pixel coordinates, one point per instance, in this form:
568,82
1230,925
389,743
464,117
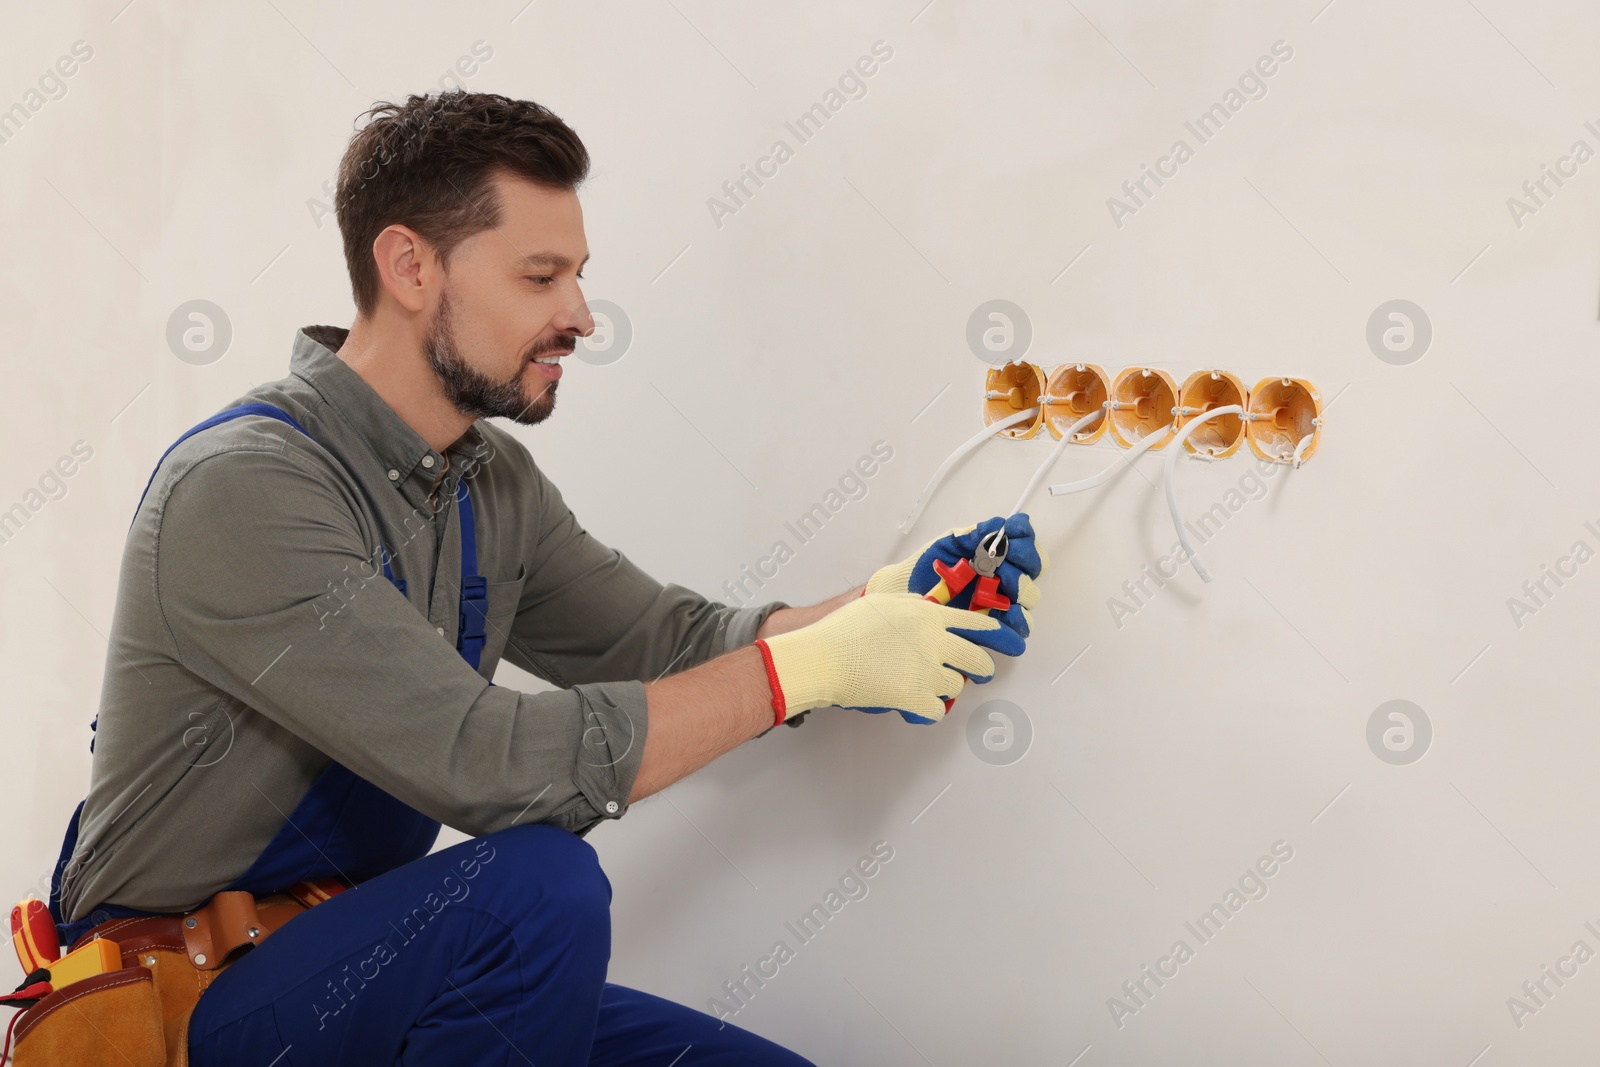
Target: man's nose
576,319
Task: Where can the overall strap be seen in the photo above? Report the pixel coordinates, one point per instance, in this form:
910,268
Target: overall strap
69,844
257,408
473,610
388,572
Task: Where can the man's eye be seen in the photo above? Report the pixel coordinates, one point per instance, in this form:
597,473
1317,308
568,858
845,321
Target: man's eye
539,278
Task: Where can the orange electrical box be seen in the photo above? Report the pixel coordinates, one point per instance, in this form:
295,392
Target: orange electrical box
1285,419
1202,391
1012,388
1072,391
1142,399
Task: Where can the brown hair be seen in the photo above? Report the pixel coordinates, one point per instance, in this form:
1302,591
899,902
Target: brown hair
429,164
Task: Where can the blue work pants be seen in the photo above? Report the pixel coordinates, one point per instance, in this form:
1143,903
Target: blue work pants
489,952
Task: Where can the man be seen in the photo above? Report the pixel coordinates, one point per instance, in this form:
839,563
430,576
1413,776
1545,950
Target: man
316,590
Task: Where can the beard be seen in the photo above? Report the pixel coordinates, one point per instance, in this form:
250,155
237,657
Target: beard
475,393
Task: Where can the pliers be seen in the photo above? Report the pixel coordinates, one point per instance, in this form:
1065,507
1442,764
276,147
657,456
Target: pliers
984,566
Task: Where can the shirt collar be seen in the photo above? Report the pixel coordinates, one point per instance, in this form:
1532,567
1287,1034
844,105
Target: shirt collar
415,469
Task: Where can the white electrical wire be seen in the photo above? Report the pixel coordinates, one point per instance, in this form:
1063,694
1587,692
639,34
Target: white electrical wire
1146,442
1300,449
1172,481
1055,454
967,446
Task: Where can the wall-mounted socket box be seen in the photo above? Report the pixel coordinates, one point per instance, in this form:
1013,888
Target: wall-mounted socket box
1012,388
1283,413
1142,399
1072,391
1202,391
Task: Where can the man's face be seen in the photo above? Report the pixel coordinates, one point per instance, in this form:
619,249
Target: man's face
511,300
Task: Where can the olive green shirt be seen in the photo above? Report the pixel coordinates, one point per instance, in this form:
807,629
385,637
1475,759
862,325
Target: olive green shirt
256,638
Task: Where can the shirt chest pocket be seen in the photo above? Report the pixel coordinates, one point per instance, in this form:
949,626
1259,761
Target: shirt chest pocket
500,613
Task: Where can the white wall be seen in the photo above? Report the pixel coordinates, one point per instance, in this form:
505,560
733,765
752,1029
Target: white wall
824,316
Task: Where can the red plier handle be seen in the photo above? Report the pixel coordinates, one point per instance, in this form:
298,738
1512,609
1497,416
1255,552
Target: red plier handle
985,562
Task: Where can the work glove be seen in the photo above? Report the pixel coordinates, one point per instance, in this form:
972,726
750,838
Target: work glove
877,653
1025,561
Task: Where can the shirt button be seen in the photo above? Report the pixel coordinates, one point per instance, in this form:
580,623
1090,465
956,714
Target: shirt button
427,461
440,630
611,807
394,475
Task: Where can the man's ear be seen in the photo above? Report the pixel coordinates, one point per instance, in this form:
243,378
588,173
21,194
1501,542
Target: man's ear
406,264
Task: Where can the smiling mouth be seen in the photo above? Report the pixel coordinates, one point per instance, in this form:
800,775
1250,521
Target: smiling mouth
552,357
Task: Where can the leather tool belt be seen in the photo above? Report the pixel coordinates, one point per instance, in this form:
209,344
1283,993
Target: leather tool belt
138,1015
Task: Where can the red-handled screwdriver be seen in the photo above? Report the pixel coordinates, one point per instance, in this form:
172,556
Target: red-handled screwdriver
33,932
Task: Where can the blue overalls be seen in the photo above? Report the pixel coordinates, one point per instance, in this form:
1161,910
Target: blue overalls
516,976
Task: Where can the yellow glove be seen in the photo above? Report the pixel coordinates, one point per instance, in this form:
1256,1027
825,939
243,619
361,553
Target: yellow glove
880,652
896,577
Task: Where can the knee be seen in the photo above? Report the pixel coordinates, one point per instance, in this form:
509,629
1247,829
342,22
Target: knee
543,867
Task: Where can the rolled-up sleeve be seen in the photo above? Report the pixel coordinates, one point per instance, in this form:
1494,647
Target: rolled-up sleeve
268,590
616,713
591,621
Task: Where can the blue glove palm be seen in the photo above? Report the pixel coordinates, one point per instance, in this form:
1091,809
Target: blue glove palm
1024,562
